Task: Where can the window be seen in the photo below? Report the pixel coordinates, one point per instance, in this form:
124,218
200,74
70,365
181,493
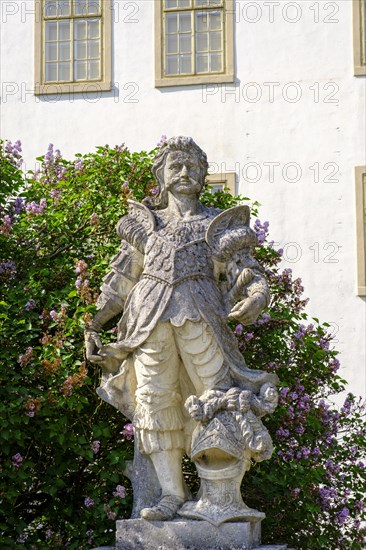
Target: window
194,42
222,182
73,46
359,36
361,229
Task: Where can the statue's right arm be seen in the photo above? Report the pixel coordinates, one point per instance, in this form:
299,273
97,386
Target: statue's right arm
126,266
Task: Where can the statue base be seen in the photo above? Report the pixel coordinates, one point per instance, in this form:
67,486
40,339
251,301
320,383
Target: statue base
139,534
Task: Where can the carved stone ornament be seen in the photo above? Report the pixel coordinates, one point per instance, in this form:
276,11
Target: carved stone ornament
175,369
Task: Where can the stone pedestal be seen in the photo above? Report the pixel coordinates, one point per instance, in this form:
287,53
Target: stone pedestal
138,534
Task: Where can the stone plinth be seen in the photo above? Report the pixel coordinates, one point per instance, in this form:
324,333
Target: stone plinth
138,534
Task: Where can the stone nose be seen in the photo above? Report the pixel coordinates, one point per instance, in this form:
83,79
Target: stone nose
184,171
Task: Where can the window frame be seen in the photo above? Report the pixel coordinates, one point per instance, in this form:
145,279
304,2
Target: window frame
360,178
203,78
359,36
88,86
227,179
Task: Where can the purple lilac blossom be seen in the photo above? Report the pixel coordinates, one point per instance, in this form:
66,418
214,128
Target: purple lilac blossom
88,502
17,460
95,446
5,227
31,304
162,139
79,164
55,195
48,158
36,209
343,515
8,269
13,153
263,319
282,433
128,431
18,205
120,492
26,357
54,315
80,266
261,231
238,330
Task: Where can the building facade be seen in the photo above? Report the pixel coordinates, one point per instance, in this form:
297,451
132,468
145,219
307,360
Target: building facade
273,91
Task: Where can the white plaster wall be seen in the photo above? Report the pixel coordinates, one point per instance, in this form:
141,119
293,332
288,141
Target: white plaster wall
325,125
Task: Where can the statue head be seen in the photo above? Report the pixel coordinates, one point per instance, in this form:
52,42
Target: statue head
182,150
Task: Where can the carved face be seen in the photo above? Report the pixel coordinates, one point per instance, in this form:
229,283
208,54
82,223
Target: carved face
182,173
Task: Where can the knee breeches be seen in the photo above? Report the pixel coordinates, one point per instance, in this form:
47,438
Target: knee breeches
159,416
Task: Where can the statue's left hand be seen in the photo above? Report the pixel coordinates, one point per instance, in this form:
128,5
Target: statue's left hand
115,351
92,347
247,311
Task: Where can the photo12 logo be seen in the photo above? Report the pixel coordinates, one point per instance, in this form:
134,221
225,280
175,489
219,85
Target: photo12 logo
290,12
270,92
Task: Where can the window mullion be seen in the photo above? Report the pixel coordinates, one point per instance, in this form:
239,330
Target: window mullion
193,42
72,47
101,42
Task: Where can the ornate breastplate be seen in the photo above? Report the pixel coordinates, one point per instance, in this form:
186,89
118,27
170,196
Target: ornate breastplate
173,263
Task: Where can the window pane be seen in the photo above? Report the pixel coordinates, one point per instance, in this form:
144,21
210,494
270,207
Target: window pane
80,7
51,31
64,51
64,71
51,72
93,7
184,3
185,64
80,50
80,30
184,22
170,4
54,8
64,7
93,28
185,43
216,62
93,70
215,20
201,21
64,30
80,70
215,41
51,52
171,23
202,42
172,43
215,187
172,64
207,3
93,49
50,9
202,63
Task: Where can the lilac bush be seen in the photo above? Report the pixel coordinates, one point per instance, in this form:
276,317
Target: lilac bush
64,452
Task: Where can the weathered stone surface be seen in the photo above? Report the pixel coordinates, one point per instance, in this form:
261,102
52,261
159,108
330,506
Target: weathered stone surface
175,370
186,535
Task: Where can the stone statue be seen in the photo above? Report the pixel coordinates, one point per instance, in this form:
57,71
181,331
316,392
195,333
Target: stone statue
175,370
